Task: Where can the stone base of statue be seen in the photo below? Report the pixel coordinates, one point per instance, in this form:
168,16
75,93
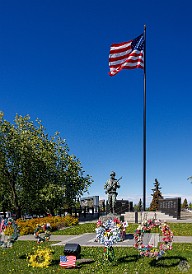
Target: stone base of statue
110,216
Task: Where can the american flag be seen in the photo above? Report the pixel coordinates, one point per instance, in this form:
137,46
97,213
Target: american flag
126,55
67,261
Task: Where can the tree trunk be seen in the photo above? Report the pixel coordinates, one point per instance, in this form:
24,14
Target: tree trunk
17,208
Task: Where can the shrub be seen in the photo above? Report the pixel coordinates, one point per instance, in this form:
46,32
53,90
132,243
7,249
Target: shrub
56,222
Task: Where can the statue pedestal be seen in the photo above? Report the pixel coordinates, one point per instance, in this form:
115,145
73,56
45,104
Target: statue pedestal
109,216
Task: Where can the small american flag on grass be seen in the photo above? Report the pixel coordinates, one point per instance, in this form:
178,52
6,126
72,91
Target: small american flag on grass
67,261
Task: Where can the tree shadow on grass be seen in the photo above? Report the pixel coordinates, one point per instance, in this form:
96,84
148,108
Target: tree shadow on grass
128,259
167,262
55,262
23,257
129,236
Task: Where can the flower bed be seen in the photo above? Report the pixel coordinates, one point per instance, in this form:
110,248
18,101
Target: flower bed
56,222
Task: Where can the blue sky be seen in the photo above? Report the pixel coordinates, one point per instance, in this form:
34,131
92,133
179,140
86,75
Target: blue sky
54,66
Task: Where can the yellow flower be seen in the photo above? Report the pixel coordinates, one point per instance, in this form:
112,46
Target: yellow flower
41,258
9,230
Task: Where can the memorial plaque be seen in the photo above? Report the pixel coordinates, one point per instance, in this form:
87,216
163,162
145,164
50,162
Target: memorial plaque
171,206
122,206
91,202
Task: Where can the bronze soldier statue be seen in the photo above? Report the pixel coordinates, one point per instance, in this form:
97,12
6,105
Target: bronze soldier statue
111,189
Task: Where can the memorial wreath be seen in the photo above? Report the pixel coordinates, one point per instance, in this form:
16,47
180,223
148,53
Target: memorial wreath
42,232
42,257
109,232
150,250
9,232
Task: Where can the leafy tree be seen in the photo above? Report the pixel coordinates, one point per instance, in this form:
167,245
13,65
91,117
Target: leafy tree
156,196
185,204
37,173
190,206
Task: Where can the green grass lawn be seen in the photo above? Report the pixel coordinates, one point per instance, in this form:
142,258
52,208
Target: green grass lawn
13,260
87,228
127,260
178,229
181,229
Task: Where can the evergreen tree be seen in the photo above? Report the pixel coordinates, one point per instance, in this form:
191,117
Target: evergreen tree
156,196
185,204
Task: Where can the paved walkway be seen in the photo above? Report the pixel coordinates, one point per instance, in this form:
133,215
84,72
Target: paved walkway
88,239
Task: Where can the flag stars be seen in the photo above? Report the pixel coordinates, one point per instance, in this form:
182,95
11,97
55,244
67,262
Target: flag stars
127,55
138,43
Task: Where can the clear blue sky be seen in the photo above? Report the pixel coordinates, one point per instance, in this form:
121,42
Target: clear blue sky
54,66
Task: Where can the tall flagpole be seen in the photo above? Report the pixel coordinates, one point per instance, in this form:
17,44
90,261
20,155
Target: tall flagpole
144,125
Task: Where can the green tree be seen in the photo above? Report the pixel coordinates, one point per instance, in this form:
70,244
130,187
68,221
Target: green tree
37,173
156,196
185,204
190,206
138,207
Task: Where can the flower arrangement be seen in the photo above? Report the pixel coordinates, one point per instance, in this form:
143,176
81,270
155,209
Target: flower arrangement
110,231
42,232
42,257
150,250
147,225
9,232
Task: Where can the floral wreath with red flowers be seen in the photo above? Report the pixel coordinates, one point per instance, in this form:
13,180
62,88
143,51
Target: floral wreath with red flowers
150,250
9,232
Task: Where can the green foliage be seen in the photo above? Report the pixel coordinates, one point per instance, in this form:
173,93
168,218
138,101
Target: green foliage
138,207
185,204
37,173
156,196
190,206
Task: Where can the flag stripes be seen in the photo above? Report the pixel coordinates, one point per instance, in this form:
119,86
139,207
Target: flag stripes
67,261
127,55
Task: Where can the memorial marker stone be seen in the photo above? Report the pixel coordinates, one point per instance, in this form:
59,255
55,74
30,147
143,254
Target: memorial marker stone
171,206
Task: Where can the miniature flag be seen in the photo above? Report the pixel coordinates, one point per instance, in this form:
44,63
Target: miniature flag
1,224
67,261
126,55
125,224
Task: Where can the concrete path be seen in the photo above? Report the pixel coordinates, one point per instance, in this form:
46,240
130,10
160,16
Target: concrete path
88,239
